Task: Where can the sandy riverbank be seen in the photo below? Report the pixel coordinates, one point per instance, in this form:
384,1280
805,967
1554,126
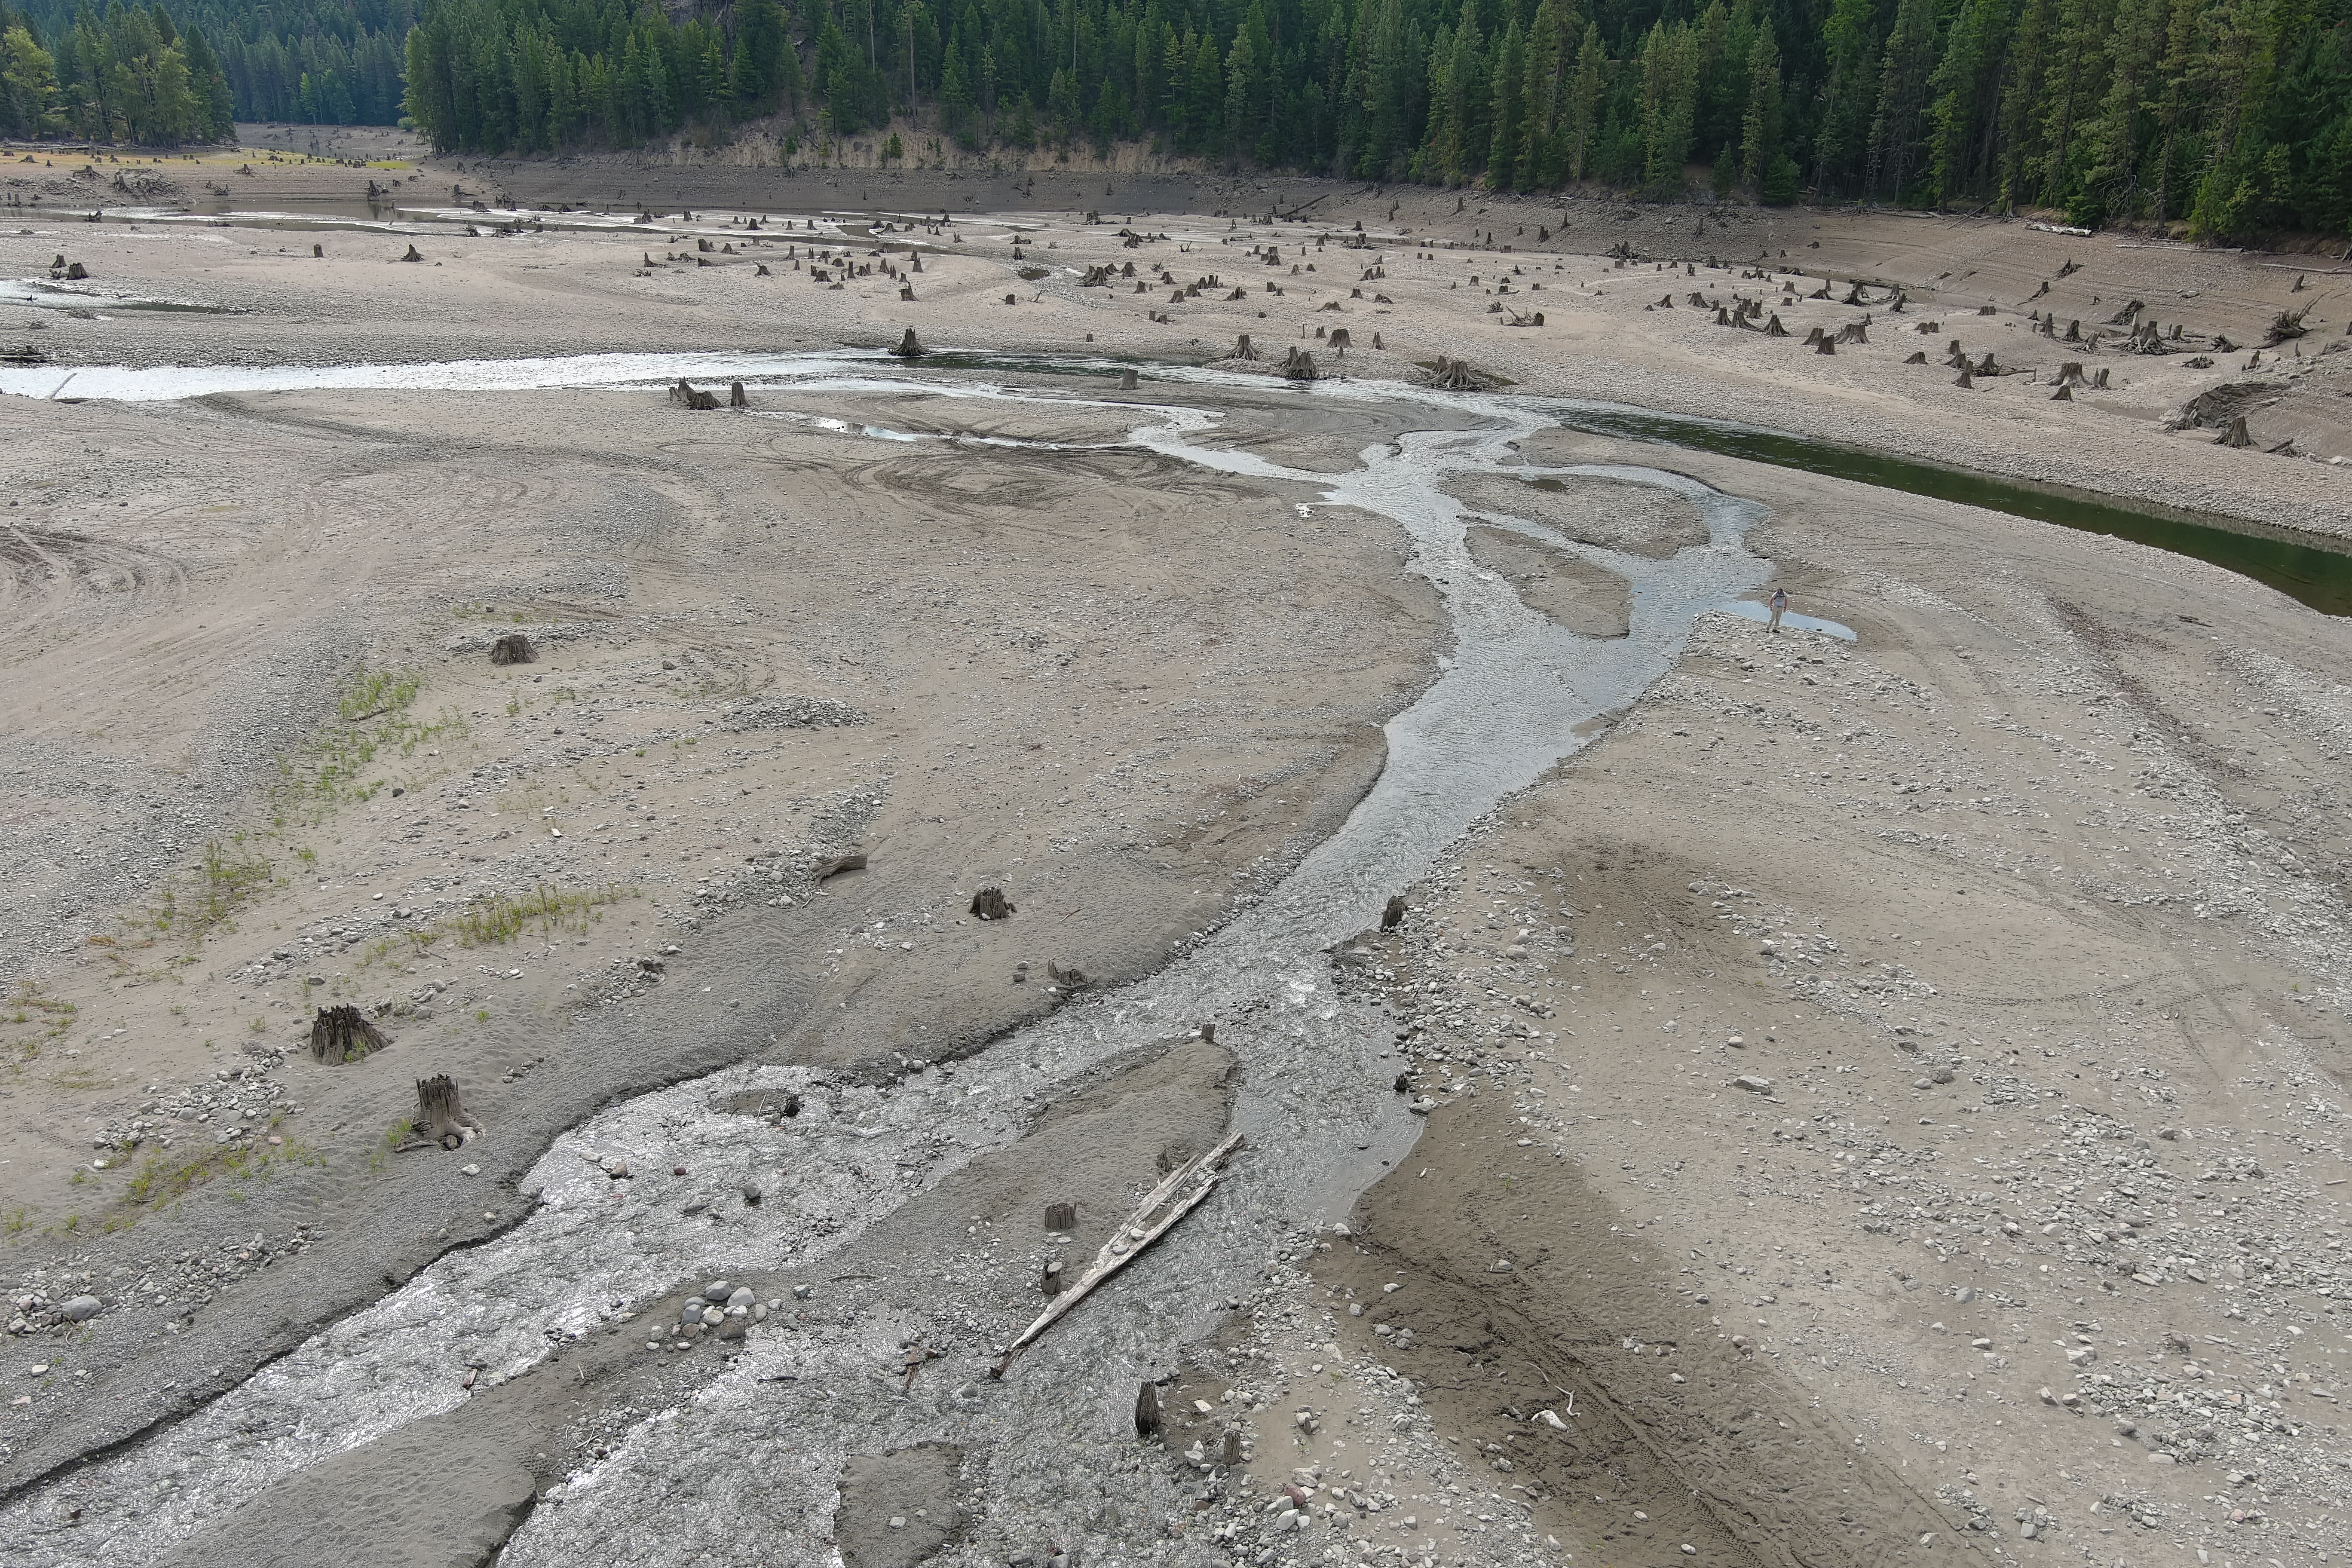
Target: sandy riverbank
2089,785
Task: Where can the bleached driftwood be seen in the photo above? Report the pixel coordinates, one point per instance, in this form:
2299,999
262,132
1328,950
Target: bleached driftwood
1166,1204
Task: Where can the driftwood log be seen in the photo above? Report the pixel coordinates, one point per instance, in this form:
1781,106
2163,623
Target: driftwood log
990,904
1170,1201
339,1035
825,869
513,649
440,1119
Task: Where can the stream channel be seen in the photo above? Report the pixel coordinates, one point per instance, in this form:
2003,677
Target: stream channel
765,1436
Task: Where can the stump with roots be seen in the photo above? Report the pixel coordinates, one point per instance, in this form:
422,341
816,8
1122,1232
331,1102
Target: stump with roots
513,649
761,271
1061,1216
2066,394
1965,379
1242,349
2071,371
1773,329
1377,343
686,395
1300,366
412,255
1812,337
909,349
440,1119
1392,916
1070,979
339,1035
318,251
735,398
990,904
1128,381
2099,381
1828,345
2237,434
1230,1455
1918,357
1340,339
1854,333
1146,1411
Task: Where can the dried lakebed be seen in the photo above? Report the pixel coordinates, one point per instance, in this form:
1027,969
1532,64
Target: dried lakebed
860,1245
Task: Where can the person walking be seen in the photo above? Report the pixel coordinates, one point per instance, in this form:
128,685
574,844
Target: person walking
1779,602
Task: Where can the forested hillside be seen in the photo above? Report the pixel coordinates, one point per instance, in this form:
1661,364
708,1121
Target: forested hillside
2233,115
133,76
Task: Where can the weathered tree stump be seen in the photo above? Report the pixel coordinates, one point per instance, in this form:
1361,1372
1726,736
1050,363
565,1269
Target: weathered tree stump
1049,1278
1242,348
1061,1216
1146,1411
1208,1033
2237,434
1230,1455
440,1117
909,349
1965,379
1392,916
339,1035
1773,329
990,904
2099,381
412,255
318,251
735,398
1128,381
1828,345
686,395
1378,344
1920,357
2066,394
1340,339
1300,366
513,649
1070,979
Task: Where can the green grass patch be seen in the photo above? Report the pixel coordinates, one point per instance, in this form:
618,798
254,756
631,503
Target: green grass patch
495,919
373,724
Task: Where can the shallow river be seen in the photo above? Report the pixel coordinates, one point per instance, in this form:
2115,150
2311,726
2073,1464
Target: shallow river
1321,1119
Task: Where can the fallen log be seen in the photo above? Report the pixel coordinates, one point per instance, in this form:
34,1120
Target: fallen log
1170,1201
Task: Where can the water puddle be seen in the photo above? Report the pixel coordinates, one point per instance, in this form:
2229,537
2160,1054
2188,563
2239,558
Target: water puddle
1518,694
43,295
1789,619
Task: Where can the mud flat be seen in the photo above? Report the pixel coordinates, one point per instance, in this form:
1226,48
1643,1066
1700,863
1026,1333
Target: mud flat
1824,1100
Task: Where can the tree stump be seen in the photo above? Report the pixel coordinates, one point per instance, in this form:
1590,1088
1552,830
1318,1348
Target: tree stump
1061,1216
513,649
1920,357
1378,344
990,904
1230,1455
688,395
1242,349
339,1035
735,398
2065,393
318,251
2099,381
1128,381
1340,339
909,349
1392,916
1146,1411
1965,379
412,255
1049,1278
440,1116
1773,329
1300,367
1070,979
1828,345
2237,434
1208,1033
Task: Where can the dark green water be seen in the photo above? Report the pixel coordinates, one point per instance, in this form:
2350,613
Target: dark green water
2318,577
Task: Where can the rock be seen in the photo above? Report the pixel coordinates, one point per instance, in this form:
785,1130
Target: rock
80,1308
717,1291
712,1317
469,1170
740,1296
1752,1084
